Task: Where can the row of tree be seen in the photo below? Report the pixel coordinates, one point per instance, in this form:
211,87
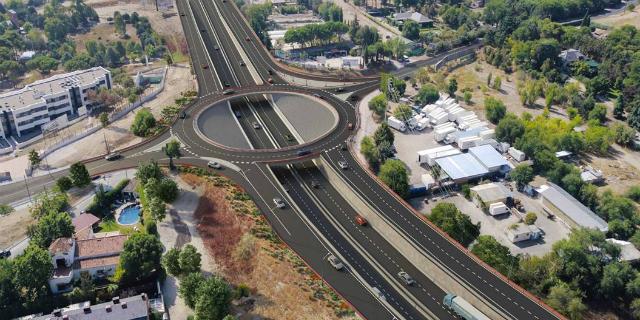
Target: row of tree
316,34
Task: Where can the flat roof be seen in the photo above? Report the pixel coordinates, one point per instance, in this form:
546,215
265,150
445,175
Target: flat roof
572,208
462,166
490,192
33,93
488,156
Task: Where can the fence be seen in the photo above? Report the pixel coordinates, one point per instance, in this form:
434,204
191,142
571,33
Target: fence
454,56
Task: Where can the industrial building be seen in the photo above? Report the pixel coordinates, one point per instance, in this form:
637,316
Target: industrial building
491,194
522,232
557,201
49,103
480,161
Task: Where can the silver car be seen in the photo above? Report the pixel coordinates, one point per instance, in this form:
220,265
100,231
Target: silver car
343,165
335,262
406,278
279,203
214,165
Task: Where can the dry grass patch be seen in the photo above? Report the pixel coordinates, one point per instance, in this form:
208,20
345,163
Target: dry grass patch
249,253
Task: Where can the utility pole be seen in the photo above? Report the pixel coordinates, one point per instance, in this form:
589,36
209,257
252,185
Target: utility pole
27,185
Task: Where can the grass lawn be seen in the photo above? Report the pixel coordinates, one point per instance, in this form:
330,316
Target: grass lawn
110,225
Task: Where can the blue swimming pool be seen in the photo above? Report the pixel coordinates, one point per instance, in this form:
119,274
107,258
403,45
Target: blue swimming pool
130,215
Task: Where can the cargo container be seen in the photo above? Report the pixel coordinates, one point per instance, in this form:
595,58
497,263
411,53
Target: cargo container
463,308
444,125
442,133
468,142
488,134
517,154
422,154
440,119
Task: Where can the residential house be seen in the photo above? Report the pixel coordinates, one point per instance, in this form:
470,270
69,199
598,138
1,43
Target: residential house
422,20
131,308
570,56
84,225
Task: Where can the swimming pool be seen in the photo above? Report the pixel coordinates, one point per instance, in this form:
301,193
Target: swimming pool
129,215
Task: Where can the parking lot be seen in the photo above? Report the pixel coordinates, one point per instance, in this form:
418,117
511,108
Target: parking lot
553,230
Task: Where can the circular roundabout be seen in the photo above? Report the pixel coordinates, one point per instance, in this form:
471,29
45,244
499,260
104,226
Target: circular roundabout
317,119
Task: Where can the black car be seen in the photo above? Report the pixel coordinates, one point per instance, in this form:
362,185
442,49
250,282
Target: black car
183,115
5,254
353,98
270,72
303,153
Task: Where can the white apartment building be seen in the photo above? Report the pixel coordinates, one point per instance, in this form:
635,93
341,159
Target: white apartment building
62,97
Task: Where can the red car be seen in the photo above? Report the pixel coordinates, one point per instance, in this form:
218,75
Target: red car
361,221
270,80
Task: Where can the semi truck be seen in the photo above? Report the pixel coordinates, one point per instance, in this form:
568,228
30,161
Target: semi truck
463,308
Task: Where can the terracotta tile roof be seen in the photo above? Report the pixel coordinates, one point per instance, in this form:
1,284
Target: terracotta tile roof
97,262
61,245
100,246
84,221
83,234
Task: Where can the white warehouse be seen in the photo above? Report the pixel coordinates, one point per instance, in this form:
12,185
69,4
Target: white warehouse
24,112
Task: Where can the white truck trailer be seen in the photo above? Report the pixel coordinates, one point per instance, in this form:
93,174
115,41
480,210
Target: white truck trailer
440,134
397,124
423,154
463,308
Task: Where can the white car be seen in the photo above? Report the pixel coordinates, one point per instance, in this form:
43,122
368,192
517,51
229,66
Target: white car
279,203
335,262
343,165
214,165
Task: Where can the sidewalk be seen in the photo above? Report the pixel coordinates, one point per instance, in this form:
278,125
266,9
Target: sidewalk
178,229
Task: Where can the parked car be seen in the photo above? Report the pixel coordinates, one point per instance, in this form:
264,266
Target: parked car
242,63
335,262
205,66
270,80
339,89
343,165
289,137
343,147
406,278
214,165
279,203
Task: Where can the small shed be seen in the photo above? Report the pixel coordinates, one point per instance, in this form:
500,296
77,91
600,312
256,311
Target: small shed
522,232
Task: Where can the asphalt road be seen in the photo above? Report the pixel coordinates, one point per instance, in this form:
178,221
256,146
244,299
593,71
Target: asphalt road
324,221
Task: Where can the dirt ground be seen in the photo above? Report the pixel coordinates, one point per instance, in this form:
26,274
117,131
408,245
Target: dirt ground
13,226
247,252
622,18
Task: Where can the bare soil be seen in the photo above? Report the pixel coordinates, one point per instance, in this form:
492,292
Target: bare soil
622,18
281,284
13,227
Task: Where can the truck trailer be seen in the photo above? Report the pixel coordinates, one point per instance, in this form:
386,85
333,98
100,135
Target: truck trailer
395,123
463,308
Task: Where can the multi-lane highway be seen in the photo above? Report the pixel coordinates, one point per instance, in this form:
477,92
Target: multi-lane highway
319,219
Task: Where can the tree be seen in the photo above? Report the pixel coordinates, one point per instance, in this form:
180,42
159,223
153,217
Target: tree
214,296
497,83
157,208
615,276
148,170
635,304
32,271
44,64
598,139
489,250
104,119
10,300
172,150
140,257
598,113
530,218
494,109
119,23
143,123
79,175
170,262
456,224
34,158
411,30
623,134
383,133
189,285
566,300
378,104
53,200
51,226
190,259
394,174
428,94
509,128
452,87
370,152
522,175
618,108
403,112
